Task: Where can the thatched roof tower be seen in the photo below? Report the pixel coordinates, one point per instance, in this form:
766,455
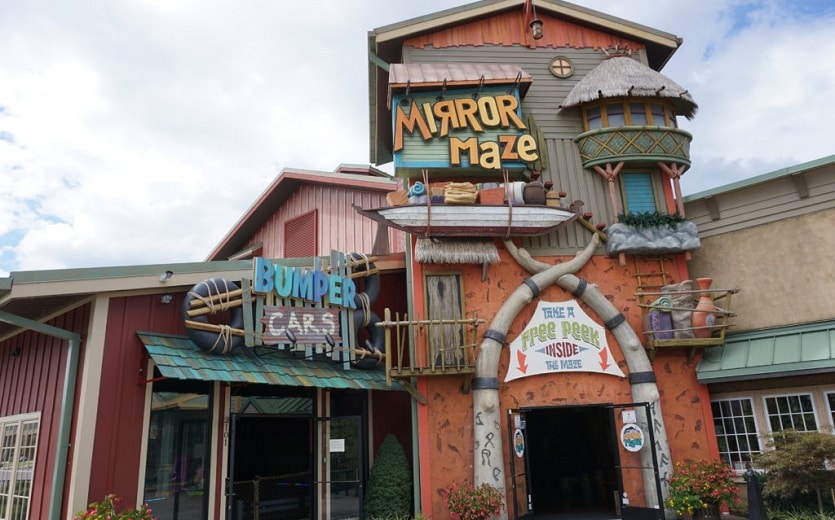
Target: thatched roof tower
622,76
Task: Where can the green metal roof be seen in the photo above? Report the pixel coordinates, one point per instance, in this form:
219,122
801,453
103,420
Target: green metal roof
178,357
778,352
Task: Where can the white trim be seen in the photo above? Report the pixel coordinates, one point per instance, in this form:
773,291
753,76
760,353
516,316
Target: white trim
88,404
146,425
767,417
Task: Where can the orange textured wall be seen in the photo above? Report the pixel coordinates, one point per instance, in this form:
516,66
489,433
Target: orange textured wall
445,424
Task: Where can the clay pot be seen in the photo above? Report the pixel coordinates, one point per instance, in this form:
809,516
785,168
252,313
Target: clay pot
704,315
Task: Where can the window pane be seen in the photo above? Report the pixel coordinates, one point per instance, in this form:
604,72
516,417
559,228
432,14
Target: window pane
638,114
791,412
593,118
614,115
735,429
638,194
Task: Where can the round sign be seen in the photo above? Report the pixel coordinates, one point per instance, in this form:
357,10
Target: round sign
632,437
518,442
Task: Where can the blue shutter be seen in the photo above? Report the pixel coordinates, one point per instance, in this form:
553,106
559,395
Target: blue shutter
637,191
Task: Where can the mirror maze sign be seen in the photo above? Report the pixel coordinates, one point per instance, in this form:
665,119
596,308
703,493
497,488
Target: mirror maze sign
560,337
462,129
330,293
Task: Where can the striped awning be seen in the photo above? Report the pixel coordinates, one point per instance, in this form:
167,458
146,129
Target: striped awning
177,357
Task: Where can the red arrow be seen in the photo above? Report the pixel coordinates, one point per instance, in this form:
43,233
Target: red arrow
604,359
520,357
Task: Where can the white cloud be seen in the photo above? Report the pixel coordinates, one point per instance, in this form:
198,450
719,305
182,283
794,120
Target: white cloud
139,131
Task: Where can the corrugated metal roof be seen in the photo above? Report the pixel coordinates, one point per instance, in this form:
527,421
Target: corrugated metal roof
178,357
454,74
769,353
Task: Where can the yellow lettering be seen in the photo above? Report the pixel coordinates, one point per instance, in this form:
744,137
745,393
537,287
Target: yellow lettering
507,106
526,146
490,157
488,112
402,121
445,111
467,108
455,147
507,147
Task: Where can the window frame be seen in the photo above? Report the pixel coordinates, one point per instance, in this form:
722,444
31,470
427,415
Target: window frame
726,456
767,413
11,497
657,190
626,105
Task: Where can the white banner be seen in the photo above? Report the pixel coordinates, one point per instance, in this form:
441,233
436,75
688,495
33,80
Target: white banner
560,337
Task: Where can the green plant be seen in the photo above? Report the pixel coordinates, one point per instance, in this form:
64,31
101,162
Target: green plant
106,510
797,464
649,219
389,493
701,484
466,502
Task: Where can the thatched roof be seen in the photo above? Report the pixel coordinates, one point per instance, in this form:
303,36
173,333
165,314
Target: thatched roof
623,76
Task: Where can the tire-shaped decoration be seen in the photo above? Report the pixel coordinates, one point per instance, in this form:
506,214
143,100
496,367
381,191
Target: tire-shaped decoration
372,355
210,297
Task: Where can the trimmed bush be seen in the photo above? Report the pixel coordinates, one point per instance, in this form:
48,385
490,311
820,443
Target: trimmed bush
389,491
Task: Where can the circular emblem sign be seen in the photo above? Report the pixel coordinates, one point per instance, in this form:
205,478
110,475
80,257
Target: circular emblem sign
518,443
632,437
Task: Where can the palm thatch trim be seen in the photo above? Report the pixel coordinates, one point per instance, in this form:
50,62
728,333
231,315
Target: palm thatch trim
623,76
440,251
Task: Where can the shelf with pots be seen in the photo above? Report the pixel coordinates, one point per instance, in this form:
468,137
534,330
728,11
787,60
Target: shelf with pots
690,314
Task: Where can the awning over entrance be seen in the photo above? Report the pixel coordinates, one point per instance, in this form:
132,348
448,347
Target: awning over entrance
178,357
435,76
778,352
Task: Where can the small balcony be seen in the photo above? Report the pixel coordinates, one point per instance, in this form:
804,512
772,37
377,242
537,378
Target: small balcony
689,315
424,348
634,145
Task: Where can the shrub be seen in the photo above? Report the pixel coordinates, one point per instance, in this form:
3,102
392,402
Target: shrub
466,502
389,493
700,484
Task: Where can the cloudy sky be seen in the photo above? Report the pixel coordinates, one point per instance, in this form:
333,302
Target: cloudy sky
139,131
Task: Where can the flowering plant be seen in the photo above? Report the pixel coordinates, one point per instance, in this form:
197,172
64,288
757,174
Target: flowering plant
466,502
699,484
106,510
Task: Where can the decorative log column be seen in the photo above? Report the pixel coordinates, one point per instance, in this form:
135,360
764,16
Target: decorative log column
675,171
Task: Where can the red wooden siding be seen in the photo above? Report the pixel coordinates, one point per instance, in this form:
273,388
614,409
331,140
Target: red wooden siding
339,227
511,28
122,398
33,382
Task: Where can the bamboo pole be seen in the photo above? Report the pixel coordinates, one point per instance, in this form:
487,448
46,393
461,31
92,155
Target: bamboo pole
211,327
217,308
201,301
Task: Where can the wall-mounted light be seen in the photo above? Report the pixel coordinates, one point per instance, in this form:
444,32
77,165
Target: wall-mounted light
164,277
15,352
166,298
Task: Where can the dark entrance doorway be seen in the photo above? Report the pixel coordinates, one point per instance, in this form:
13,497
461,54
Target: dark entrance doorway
571,461
270,467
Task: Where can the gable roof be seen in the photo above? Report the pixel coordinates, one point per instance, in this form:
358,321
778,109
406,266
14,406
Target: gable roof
385,45
347,176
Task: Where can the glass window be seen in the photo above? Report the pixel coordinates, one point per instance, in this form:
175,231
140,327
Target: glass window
615,115
791,412
593,119
18,441
736,431
637,114
177,460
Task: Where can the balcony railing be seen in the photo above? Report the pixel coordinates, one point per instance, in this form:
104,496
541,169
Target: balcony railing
417,348
672,325
634,145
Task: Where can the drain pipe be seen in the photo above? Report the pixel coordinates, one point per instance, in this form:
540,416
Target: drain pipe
67,401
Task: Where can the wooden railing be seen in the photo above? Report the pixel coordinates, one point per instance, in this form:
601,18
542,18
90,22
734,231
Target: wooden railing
683,333
416,348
